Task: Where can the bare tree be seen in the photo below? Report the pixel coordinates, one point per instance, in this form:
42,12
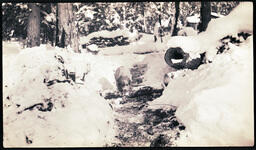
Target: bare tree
177,8
144,17
57,28
67,28
33,28
205,15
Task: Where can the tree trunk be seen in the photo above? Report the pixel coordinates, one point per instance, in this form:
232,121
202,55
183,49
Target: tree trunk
124,17
67,30
144,18
145,25
160,29
57,28
205,15
33,29
177,8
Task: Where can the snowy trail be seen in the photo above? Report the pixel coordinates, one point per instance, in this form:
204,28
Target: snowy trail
129,120
137,125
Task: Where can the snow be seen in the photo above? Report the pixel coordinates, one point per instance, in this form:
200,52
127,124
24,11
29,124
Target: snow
111,34
13,48
239,20
93,47
106,34
156,69
187,31
50,17
79,113
135,47
165,22
193,19
87,10
217,15
79,117
215,102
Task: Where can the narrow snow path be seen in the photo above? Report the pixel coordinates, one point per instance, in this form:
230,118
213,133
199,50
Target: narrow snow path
137,125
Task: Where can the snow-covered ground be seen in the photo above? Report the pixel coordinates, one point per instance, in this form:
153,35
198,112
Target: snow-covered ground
62,114
145,44
239,20
67,114
42,107
215,102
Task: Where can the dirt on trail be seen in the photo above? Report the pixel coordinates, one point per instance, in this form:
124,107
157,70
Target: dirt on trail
140,126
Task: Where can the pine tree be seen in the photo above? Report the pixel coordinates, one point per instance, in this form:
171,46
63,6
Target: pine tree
205,15
33,28
67,28
177,8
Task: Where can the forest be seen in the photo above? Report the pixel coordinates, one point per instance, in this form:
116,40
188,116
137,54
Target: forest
51,19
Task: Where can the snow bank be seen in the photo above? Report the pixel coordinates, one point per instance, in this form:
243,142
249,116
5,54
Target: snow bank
11,48
194,19
108,34
79,116
104,67
239,20
63,114
156,69
215,102
145,45
187,31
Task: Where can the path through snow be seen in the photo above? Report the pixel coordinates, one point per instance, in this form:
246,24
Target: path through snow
137,125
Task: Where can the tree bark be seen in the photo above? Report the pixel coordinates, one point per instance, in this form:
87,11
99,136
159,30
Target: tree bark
33,29
177,8
144,18
68,31
57,28
205,15
145,24
124,16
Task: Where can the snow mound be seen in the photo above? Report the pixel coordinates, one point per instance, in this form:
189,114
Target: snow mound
187,31
215,102
193,19
239,20
62,114
11,48
93,48
109,34
156,69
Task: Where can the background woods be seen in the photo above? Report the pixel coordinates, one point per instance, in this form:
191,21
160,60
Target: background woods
62,24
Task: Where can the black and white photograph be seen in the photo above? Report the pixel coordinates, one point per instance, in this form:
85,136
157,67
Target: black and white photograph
127,74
